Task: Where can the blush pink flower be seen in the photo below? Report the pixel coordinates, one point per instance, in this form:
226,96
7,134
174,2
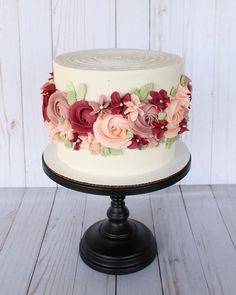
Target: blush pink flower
100,107
184,95
134,107
57,107
58,130
143,124
111,131
90,143
175,114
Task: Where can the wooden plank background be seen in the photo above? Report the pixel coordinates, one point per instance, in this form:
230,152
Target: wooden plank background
32,32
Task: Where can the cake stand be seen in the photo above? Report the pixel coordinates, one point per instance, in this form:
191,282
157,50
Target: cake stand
118,244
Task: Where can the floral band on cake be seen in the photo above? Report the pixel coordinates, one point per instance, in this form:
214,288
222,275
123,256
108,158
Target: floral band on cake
141,118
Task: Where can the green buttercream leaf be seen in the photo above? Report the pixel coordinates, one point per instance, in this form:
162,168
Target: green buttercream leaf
81,91
170,141
115,152
104,151
68,144
173,91
61,120
71,93
183,81
135,91
129,134
161,116
145,90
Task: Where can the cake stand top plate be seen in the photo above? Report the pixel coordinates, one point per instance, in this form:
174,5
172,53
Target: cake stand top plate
171,173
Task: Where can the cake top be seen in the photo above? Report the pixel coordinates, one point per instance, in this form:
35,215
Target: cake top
116,59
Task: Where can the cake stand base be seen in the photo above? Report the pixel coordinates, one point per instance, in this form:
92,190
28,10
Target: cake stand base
117,245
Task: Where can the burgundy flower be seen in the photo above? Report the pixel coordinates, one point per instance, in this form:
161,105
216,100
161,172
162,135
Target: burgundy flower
159,128
183,126
137,142
117,104
160,99
80,117
47,90
74,137
77,145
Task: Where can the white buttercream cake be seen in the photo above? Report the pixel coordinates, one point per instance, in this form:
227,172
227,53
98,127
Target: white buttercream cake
116,112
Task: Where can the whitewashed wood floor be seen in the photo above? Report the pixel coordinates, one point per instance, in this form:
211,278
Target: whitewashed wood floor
195,227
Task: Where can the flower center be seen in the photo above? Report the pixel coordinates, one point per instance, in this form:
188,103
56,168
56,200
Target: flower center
162,127
137,140
161,101
121,104
101,107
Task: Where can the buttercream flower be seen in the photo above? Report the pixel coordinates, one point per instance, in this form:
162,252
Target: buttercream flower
80,117
57,107
160,99
134,107
143,124
47,90
59,130
184,95
100,107
117,103
175,114
137,142
159,128
111,131
183,126
90,143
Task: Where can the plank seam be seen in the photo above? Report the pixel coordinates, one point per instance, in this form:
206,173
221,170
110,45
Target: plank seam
154,231
195,242
40,247
81,232
21,89
3,243
222,217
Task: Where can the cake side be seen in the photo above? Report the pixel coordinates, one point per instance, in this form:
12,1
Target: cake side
130,162
119,113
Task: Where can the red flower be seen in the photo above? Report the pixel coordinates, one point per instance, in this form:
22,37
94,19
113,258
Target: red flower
47,90
160,99
159,128
137,142
77,145
74,137
117,103
183,126
80,117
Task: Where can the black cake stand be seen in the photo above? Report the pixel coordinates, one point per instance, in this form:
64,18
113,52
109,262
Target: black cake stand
118,244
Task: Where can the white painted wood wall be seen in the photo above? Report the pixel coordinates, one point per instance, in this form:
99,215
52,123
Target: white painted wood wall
202,31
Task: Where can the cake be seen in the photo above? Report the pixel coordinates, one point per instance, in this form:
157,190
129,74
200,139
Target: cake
116,112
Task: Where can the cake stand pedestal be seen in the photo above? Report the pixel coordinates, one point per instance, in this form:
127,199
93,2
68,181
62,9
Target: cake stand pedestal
118,244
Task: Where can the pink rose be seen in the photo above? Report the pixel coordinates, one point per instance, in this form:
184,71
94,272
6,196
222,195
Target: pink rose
56,131
111,131
143,124
90,143
184,95
57,107
175,114
81,118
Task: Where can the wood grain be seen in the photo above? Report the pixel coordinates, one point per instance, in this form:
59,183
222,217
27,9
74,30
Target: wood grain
179,261
12,153
21,248
36,55
214,245
56,265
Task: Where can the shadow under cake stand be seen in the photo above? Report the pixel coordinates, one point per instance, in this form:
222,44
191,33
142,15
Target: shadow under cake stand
118,244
